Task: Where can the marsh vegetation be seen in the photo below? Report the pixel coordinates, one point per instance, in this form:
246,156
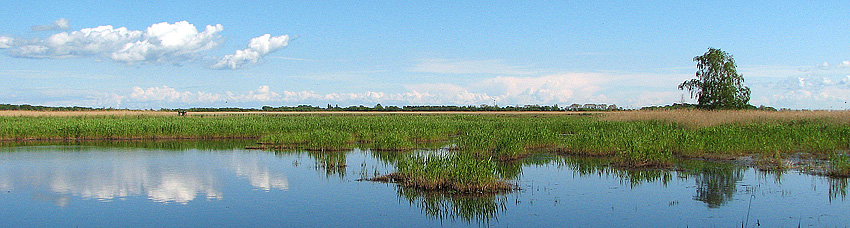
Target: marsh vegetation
475,141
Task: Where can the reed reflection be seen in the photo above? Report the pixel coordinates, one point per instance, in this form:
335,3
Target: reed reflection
332,163
479,208
838,188
602,167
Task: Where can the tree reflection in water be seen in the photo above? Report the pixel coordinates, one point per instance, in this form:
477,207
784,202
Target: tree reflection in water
716,184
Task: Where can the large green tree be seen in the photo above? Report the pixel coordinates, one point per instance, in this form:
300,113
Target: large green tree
718,84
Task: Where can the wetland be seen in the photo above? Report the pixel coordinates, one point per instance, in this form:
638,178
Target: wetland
633,169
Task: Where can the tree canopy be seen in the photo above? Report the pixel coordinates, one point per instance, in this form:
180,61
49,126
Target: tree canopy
718,84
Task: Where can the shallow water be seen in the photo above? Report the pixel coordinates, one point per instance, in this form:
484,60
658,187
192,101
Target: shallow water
179,184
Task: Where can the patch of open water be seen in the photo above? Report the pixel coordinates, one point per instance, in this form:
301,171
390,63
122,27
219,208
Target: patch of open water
218,184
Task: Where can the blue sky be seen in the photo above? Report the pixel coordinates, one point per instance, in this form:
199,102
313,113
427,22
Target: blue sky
250,54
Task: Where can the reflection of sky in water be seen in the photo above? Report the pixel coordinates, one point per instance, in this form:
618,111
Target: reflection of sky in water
249,167
107,174
89,186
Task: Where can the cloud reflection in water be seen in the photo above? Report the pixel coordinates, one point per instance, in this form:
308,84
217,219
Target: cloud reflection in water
108,174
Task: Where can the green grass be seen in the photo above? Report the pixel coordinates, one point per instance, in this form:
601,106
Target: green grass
313,140
839,165
634,143
448,172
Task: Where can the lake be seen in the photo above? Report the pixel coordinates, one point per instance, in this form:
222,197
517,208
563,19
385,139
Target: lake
220,184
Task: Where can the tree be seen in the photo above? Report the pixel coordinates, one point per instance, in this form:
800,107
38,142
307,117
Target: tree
718,85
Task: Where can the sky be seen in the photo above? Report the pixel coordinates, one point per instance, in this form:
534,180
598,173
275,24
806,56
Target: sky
181,54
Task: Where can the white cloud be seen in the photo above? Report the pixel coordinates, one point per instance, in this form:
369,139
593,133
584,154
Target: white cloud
621,89
805,92
168,94
6,42
164,42
257,48
263,93
86,42
160,43
60,24
445,66
444,94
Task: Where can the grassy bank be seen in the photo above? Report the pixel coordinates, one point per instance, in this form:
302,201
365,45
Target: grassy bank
637,138
634,139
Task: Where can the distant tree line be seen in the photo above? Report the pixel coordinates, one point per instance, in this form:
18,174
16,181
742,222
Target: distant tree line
26,107
412,108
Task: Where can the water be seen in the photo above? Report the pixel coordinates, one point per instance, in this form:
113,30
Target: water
182,184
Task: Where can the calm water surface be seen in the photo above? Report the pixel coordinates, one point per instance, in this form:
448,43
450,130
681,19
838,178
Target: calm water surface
183,184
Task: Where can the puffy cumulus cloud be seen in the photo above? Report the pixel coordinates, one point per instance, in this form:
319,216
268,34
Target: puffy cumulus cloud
60,24
160,43
86,42
257,48
169,43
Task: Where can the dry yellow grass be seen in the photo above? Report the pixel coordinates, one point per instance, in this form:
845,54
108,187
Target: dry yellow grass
702,118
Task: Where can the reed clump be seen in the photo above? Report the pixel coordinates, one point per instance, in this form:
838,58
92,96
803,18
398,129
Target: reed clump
839,165
448,172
